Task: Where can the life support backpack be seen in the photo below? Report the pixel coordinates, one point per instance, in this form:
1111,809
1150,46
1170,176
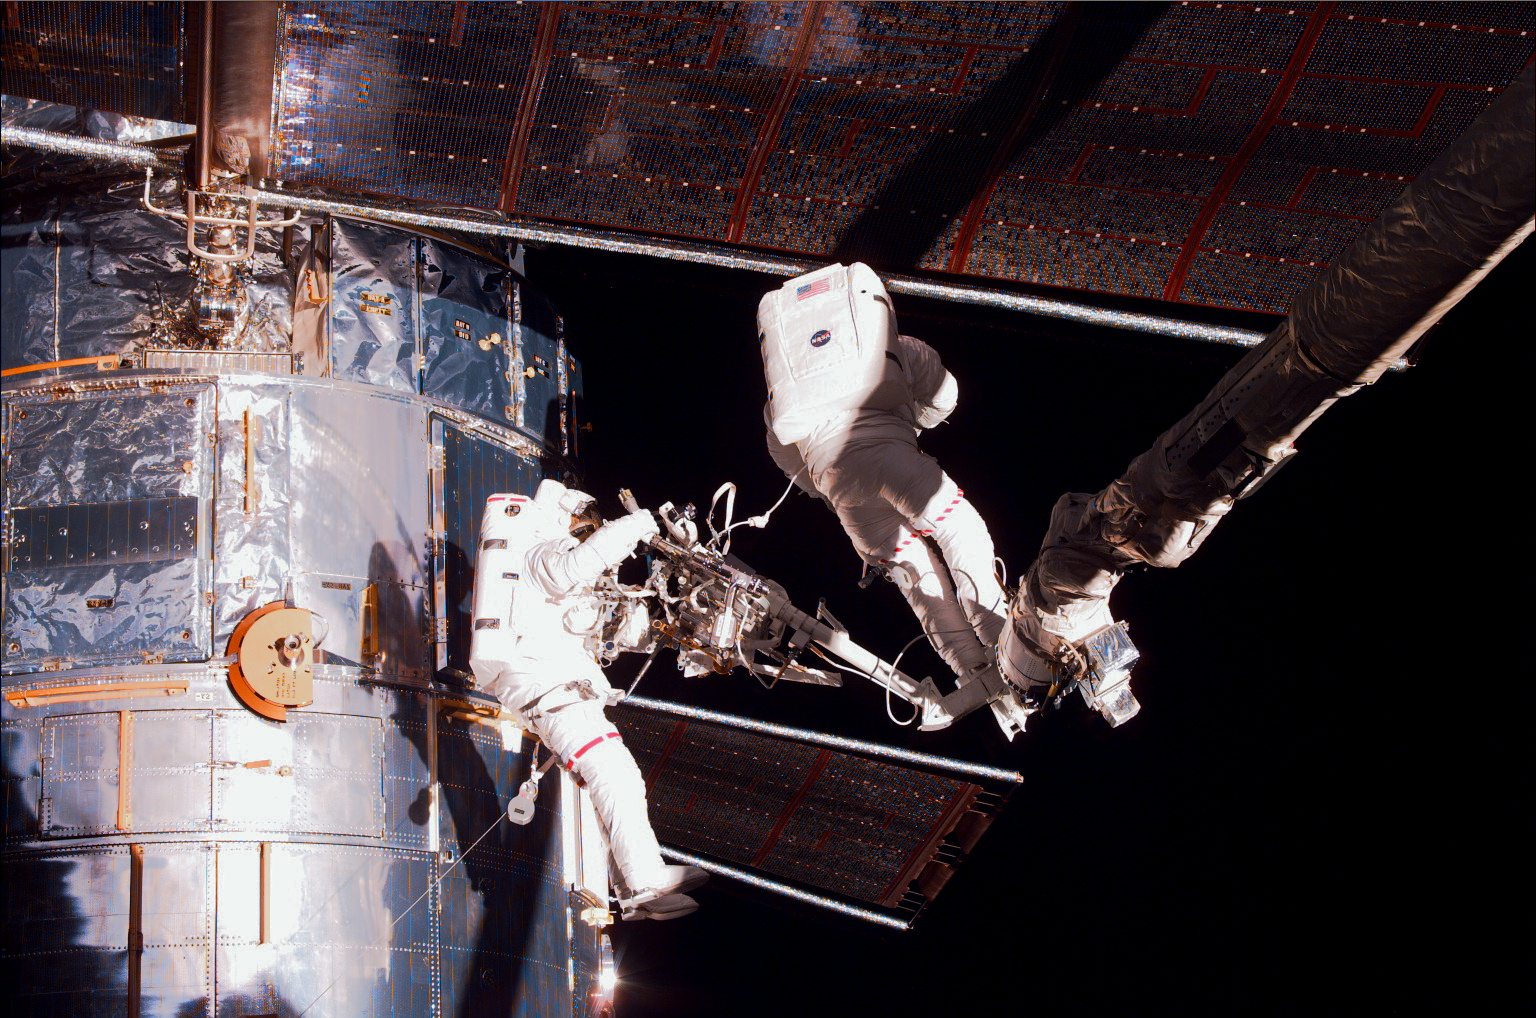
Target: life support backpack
829,344
509,526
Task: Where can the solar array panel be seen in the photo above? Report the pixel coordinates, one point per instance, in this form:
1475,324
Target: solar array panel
859,827
119,57
1210,153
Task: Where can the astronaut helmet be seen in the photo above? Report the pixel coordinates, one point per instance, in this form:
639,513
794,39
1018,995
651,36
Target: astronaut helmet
569,508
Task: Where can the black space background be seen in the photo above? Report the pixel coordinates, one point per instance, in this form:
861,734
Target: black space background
1315,812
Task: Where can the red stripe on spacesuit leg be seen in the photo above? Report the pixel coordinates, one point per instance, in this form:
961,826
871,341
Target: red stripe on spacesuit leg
959,495
897,550
949,508
577,755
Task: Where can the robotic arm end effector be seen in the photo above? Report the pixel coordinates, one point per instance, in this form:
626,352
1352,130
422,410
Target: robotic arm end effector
1048,655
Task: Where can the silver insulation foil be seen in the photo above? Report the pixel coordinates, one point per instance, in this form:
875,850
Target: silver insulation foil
373,313
86,270
109,550
251,542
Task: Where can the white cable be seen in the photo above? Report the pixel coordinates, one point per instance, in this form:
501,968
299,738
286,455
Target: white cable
728,489
756,521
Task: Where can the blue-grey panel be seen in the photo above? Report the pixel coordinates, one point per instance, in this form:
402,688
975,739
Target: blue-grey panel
314,773
373,305
466,332
66,934
575,396
21,759
538,339
505,907
474,469
407,776
96,533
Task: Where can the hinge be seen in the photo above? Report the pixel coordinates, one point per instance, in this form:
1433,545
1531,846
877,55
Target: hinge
440,630
439,457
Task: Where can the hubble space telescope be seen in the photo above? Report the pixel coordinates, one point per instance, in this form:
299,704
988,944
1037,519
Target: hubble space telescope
269,344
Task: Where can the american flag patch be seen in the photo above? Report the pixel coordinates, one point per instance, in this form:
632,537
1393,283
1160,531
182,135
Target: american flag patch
812,289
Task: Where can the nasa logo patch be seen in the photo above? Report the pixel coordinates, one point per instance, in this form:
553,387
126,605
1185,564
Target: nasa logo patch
821,337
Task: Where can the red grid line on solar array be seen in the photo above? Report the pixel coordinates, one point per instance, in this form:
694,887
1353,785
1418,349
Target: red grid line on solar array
665,755
1039,89
1410,23
1430,105
811,777
1344,171
1067,231
1277,100
1313,75
1111,187
1277,259
769,133
643,14
1304,210
517,145
1306,182
1189,109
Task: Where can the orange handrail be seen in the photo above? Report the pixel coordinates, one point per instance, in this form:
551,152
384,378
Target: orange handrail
107,363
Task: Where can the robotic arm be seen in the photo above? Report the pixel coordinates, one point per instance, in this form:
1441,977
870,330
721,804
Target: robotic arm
1459,218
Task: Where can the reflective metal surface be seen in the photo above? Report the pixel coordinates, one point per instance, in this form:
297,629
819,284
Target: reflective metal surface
116,152
183,855
373,305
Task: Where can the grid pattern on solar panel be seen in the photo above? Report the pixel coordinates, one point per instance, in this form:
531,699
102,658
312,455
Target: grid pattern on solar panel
831,820
738,123
120,57
1230,280
409,99
641,124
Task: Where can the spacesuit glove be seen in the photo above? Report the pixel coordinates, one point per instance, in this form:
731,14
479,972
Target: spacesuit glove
615,541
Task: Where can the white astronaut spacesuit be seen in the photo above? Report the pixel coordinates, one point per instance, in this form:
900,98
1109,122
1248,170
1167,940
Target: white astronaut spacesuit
533,605
846,398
